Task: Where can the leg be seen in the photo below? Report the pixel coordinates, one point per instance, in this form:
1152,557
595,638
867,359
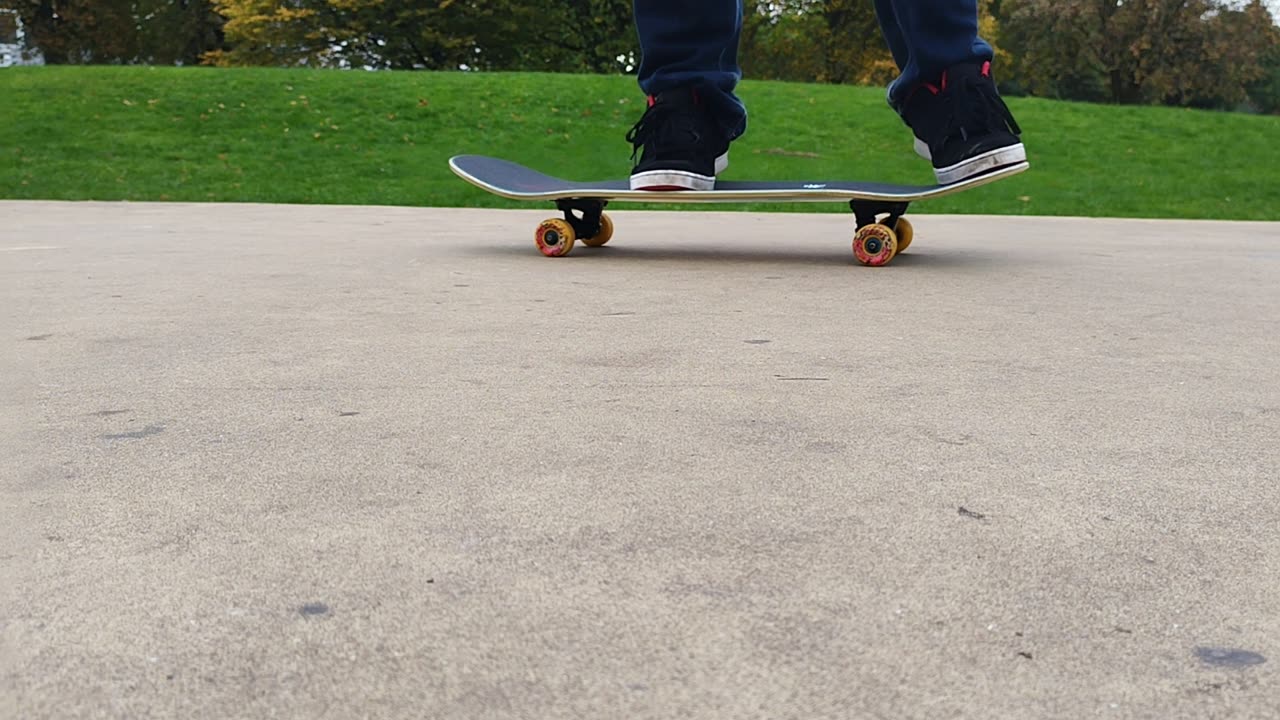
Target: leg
927,37
892,32
688,44
689,70
945,91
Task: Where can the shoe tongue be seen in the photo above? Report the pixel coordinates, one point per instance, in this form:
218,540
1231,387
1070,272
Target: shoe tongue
682,97
968,70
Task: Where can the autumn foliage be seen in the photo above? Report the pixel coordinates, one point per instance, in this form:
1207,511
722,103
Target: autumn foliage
1177,52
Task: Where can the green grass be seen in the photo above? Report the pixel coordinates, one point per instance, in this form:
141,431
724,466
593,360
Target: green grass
307,136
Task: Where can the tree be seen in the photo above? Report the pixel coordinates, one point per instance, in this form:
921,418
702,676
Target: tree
834,41
121,31
1182,52
1264,94
578,35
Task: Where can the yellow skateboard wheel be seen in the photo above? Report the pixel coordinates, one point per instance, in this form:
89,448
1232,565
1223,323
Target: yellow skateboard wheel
554,237
904,231
874,244
601,237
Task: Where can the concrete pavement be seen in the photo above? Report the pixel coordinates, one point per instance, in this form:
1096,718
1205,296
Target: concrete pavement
323,462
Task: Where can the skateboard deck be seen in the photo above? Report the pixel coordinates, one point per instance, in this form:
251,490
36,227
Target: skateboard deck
876,241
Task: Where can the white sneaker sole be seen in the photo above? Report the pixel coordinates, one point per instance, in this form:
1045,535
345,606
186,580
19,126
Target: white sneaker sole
678,179
976,165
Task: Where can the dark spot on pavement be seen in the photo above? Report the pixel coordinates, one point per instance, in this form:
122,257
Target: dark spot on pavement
46,336
136,434
1123,630
966,512
817,379
431,581
347,413
1026,655
105,413
461,285
624,313
961,439
757,342
315,608
1228,657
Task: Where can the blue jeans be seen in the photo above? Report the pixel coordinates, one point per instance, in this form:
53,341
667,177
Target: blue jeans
695,42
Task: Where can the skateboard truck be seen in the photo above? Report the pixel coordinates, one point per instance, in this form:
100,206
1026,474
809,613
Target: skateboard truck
866,211
584,221
877,241
587,224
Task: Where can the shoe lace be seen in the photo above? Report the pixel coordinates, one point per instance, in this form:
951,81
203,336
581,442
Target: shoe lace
974,108
673,127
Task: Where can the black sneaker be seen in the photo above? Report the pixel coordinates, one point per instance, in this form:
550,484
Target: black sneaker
680,145
962,125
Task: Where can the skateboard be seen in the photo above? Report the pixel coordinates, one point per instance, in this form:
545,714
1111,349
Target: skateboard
882,231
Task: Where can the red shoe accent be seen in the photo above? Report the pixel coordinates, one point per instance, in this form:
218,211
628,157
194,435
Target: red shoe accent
661,188
986,69
944,80
651,99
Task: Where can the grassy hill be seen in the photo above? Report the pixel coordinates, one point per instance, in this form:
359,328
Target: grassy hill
306,136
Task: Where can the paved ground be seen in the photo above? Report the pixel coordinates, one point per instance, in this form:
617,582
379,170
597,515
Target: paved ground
334,463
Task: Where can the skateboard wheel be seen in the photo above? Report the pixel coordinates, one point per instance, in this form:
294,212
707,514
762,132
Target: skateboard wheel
603,235
904,231
554,237
874,244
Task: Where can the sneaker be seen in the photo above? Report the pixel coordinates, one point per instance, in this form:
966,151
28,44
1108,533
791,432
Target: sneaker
680,145
962,125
